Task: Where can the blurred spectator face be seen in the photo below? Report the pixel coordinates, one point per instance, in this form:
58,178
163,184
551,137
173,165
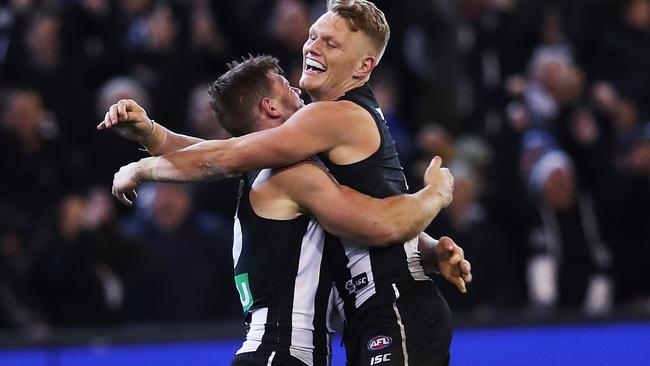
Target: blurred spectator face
638,158
465,194
205,34
42,40
100,208
120,88
201,118
291,21
562,80
171,207
552,31
626,115
24,113
72,212
583,127
10,244
386,90
22,5
434,140
559,188
163,29
135,7
637,14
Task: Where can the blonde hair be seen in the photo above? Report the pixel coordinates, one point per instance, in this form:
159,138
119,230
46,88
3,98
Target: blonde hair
365,16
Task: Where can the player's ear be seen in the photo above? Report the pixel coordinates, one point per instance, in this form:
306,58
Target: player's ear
270,108
365,67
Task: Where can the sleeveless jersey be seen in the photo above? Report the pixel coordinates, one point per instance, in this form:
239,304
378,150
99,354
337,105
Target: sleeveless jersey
284,284
364,273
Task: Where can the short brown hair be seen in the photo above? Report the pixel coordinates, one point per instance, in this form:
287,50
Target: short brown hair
235,94
365,16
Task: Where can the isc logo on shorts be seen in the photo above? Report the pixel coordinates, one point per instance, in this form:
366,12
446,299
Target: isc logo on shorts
379,342
356,283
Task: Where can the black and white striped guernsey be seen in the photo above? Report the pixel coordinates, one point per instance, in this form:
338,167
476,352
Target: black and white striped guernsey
367,274
284,284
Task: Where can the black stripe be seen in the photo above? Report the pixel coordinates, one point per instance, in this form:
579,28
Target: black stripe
338,262
290,268
270,331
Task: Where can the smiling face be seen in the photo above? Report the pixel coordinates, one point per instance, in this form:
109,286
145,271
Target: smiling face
335,58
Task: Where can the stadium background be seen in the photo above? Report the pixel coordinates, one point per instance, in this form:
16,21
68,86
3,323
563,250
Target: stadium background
519,97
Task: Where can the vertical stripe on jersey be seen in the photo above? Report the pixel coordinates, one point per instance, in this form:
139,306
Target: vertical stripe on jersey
358,263
255,331
237,241
413,260
309,266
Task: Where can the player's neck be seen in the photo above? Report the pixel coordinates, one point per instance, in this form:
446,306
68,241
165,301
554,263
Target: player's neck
338,92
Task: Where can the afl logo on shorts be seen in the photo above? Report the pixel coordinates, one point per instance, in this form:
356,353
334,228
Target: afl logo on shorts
379,342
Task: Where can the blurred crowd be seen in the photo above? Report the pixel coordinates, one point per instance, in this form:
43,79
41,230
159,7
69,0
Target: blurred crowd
539,108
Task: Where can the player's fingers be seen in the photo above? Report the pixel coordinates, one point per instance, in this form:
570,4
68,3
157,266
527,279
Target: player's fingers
112,115
465,266
122,198
460,285
456,259
467,277
447,243
121,110
131,195
436,162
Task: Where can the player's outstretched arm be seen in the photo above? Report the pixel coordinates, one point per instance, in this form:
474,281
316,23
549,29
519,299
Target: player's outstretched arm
376,222
130,121
311,130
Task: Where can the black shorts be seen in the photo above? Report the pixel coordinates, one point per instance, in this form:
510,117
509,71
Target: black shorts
414,330
265,358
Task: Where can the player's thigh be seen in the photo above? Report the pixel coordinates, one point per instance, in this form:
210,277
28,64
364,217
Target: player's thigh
380,345
426,321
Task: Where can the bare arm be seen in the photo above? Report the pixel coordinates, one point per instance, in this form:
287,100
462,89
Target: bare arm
130,121
347,213
309,131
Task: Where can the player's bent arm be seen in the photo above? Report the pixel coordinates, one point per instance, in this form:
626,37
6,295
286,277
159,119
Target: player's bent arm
309,131
347,213
130,120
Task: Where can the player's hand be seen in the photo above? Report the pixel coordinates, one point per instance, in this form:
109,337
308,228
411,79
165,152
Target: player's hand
125,181
129,120
440,179
452,264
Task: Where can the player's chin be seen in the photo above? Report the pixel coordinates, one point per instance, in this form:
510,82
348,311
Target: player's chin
310,84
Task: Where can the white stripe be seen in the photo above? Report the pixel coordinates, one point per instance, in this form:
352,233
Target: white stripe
413,260
307,279
335,300
401,326
271,359
237,241
255,331
358,263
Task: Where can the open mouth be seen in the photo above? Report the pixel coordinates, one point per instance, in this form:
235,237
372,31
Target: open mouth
314,67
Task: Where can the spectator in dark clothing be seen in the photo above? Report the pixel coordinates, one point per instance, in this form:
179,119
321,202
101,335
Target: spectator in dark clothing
189,272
